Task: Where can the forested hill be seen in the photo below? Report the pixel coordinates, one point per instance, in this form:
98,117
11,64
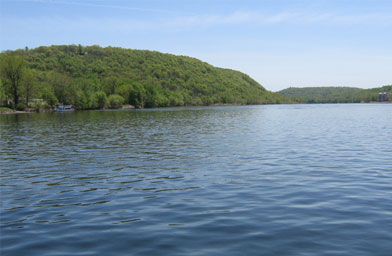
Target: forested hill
87,77
335,94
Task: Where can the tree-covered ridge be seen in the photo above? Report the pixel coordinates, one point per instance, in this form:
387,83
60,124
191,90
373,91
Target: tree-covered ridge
86,77
335,94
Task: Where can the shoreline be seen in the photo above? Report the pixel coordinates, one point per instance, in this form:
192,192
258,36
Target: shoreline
27,111
14,112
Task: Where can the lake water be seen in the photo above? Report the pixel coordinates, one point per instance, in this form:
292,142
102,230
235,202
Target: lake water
247,180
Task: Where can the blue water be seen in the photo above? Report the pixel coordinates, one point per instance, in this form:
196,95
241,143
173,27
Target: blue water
250,180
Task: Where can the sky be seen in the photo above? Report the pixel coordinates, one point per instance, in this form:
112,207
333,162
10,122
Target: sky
280,43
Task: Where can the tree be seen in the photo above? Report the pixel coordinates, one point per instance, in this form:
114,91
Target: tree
61,86
137,96
2,94
81,100
12,69
49,97
80,50
29,85
110,84
99,100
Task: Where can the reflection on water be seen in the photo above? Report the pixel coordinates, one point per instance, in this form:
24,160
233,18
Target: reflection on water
303,179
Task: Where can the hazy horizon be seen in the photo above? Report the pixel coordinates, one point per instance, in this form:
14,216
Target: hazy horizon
280,44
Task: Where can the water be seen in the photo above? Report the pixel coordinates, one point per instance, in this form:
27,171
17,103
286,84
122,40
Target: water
269,180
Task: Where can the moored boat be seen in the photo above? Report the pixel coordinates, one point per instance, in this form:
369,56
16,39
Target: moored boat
64,108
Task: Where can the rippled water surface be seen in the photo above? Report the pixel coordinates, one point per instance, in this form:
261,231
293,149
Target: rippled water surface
259,180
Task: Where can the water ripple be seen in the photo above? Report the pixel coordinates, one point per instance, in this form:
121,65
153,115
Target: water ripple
271,180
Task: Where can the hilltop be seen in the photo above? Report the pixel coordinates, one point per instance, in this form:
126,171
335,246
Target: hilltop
94,77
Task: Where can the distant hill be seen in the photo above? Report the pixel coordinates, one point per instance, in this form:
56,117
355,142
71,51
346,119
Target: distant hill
86,77
334,94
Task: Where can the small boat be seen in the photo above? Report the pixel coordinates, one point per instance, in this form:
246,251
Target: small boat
64,108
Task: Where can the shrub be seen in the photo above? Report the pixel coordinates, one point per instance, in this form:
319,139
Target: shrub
20,106
5,110
115,101
99,100
40,106
37,106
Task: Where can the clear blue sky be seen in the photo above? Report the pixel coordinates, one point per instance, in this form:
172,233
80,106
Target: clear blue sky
280,43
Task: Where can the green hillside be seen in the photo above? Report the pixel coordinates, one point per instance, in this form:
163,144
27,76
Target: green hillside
334,94
94,77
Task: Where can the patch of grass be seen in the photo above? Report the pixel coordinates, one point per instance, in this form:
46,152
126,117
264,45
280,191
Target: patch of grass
5,110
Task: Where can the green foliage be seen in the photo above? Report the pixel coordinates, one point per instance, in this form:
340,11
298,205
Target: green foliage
39,106
137,95
81,100
115,101
334,94
5,110
2,92
84,76
11,70
61,84
74,74
21,106
29,86
49,97
99,100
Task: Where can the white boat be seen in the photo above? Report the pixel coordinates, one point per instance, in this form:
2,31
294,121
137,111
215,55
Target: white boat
64,108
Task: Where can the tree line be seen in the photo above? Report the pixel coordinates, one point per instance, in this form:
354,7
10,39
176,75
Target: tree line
335,94
92,77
